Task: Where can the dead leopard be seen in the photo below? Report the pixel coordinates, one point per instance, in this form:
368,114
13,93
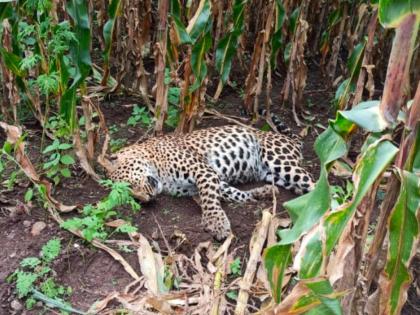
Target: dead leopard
207,162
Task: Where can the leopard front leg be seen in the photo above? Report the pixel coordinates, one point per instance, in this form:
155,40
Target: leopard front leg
214,218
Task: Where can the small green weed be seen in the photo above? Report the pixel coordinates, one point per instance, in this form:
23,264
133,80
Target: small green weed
232,294
117,144
92,222
35,274
59,160
235,267
139,115
113,129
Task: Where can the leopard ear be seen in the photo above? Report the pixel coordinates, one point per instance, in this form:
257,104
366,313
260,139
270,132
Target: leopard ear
152,181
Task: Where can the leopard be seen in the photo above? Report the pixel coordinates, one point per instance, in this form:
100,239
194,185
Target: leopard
208,162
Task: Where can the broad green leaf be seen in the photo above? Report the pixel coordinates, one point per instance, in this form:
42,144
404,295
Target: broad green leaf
80,51
392,12
200,20
369,167
325,293
312,259
366,115
354,64
227,46
276,259
276,39
65,146
12,62
306,210
53,146
403,236
182,34
198,60
293,20
312,296
225,52
355,59
108,31
65,172
67,159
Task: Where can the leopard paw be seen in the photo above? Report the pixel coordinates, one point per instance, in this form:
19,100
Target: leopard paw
217,224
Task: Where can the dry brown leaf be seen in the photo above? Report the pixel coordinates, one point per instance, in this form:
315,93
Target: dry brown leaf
116,223
151,266
340,169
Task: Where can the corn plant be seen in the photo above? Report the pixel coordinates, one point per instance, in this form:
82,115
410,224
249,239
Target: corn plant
333,239
49,58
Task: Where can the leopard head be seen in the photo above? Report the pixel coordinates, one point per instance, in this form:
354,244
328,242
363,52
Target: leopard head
139,173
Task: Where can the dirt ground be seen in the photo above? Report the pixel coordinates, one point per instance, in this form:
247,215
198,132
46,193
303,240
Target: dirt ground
93,273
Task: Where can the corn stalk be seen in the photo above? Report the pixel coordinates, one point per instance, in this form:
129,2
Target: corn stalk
297,70
161,106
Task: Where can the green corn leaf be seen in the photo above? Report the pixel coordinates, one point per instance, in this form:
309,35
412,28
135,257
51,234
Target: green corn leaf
12,62
227,46
293,21
80,51
312,259
312,296
334,18
108,31
201,22
392,12
403,233
369,167
403,227
306,210
6,10
276,39
276,259
354,64
182,34
56,303
367,115
225,52
198,60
